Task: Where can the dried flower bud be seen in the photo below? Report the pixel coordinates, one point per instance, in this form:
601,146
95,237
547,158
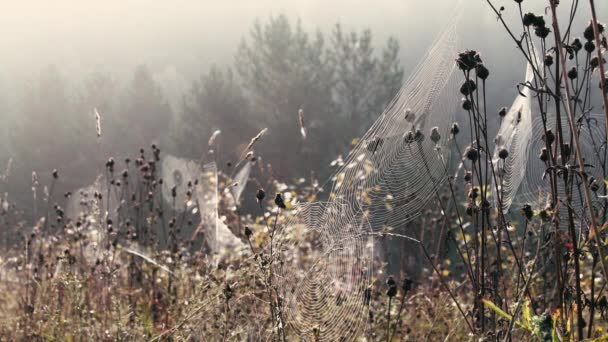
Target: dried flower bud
528,19
542,32
174,192
548,60
589,46
55,174
248,232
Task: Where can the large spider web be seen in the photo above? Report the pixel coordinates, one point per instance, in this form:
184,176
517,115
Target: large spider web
514,136
536,185
386,181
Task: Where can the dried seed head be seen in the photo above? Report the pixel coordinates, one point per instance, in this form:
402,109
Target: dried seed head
455,129
589,46
435,135
468,176
544,154
468,87
542,31
572,73
548,60
466,104
471,154
528,18
278,200
549,137
467,60
409,115
482,71
503,153
576,45
248,232
502,112
260,195
589,33
527,211
55,174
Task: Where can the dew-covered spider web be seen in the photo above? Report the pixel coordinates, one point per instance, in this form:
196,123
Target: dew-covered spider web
402,160
386,181
513,136
536,185
326,299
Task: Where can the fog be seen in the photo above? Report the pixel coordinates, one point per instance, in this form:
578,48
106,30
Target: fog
82,42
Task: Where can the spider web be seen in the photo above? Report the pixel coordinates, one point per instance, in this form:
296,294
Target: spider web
386,181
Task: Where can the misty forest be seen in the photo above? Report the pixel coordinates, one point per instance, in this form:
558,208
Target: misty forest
303,170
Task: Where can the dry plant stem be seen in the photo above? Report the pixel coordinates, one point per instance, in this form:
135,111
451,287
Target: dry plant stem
447,288
574,134
598,48
526,285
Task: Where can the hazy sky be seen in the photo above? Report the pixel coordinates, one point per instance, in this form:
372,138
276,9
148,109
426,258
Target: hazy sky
181,38
187,33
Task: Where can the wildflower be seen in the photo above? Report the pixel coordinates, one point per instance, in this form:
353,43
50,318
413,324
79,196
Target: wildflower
278,200
260,195
468,87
